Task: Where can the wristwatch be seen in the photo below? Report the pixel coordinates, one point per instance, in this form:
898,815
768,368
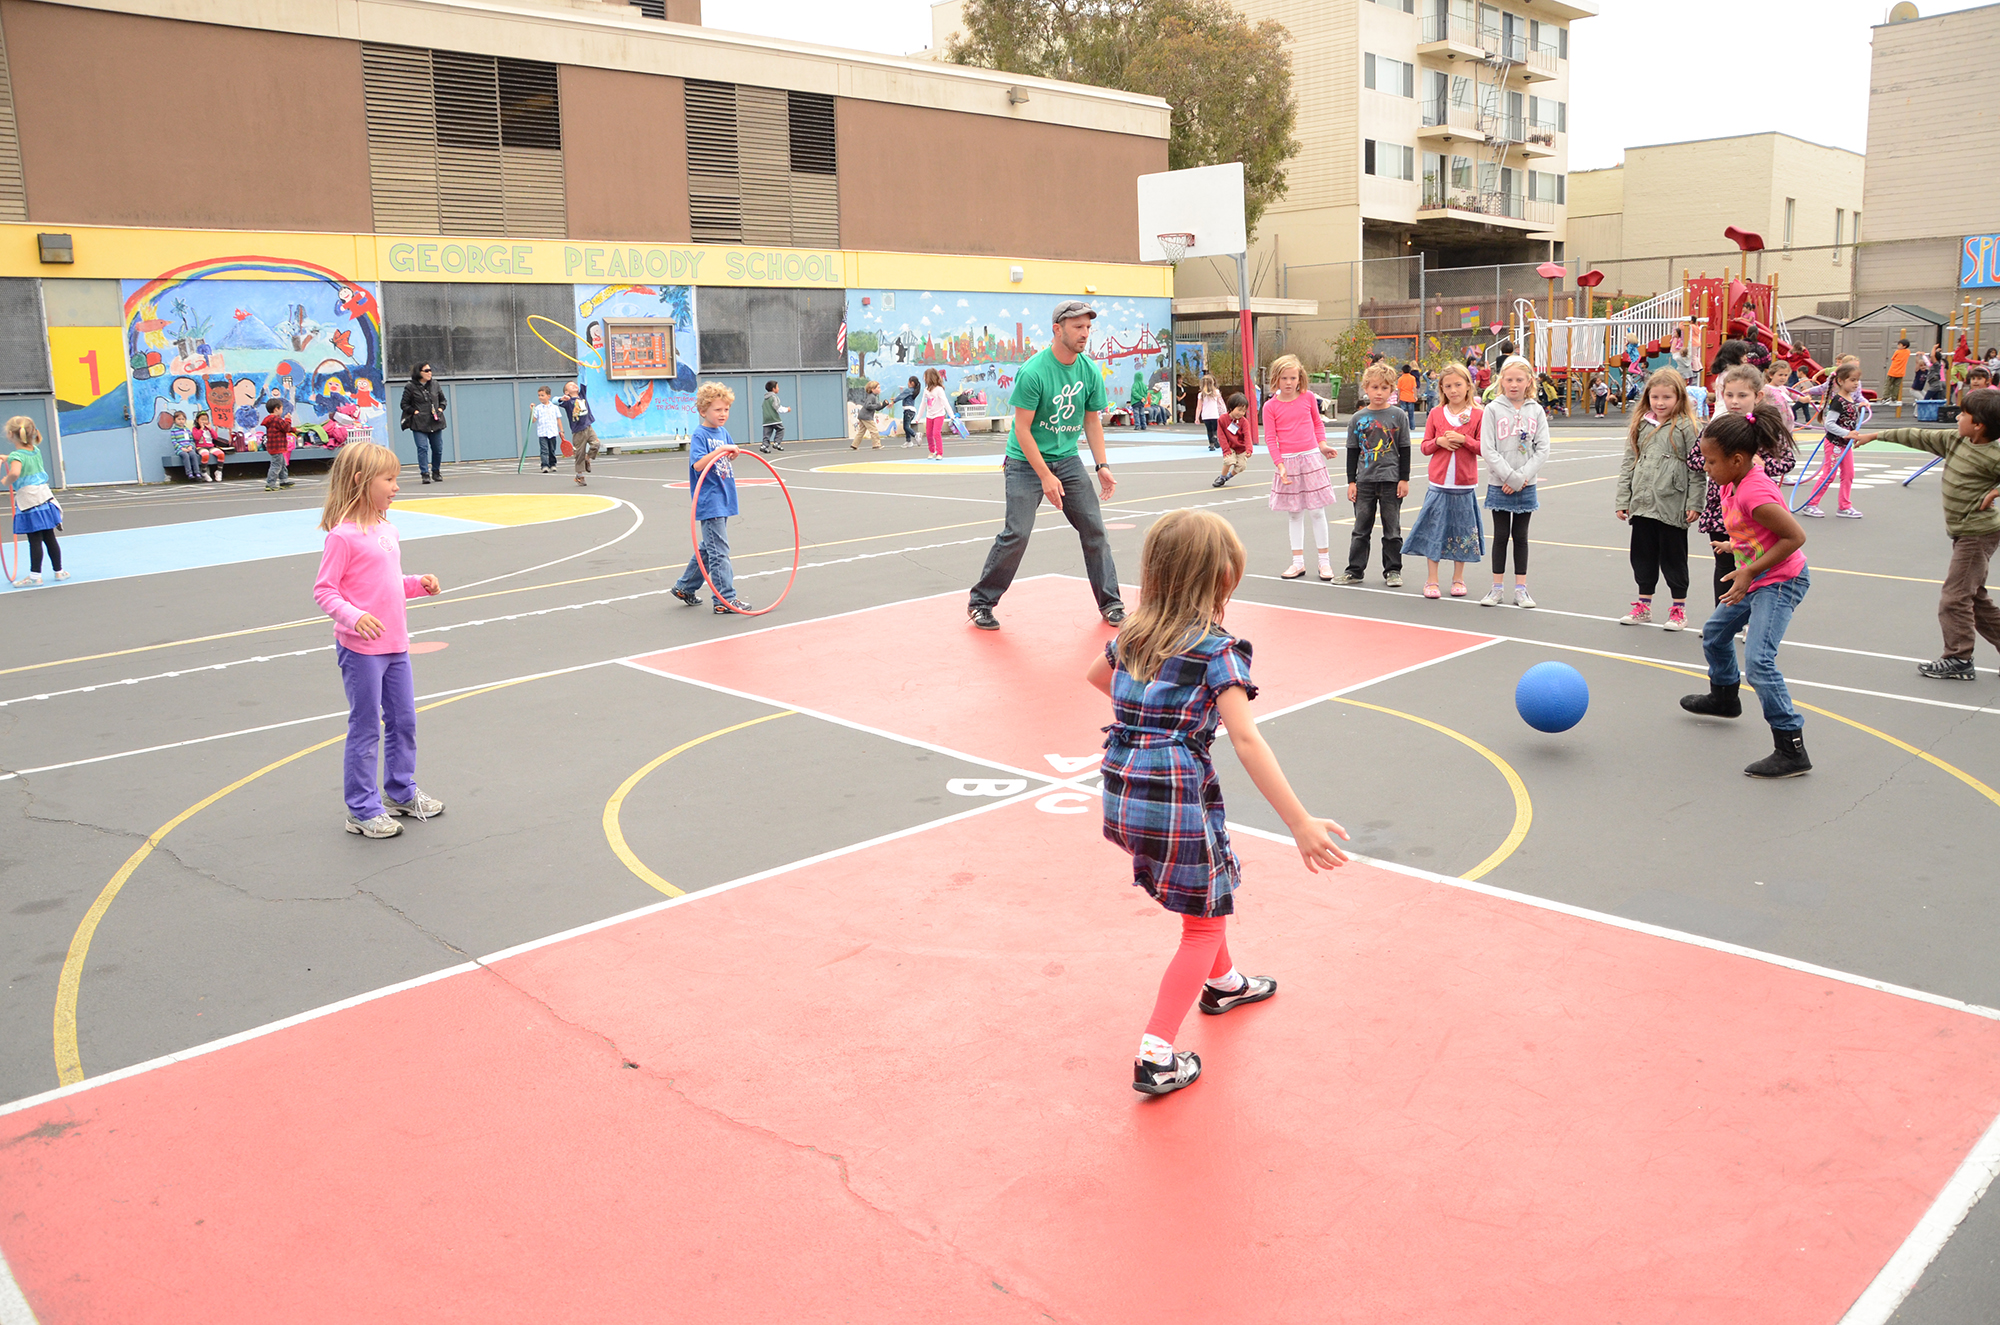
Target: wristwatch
1099,469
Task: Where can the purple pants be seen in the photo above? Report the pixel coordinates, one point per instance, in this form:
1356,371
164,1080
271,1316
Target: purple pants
380,696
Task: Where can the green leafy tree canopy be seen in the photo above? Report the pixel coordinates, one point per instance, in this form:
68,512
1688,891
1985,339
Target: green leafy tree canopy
1228,81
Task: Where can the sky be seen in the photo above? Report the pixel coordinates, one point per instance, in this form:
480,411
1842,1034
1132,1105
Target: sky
1721,68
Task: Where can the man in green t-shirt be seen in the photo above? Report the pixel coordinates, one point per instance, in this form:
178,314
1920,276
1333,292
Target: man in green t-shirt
1057,397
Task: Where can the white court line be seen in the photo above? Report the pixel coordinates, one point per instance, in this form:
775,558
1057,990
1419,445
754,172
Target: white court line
14,1309
1878,1302
639,519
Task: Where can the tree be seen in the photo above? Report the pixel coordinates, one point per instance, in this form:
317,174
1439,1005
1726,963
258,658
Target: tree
1350,351
861,344
1229,82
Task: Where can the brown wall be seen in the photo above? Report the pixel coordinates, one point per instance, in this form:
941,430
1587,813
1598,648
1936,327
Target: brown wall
625,170
936,181
142,121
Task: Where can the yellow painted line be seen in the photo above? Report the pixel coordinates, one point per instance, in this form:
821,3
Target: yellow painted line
69,1061
1524,809
616,836
516,508
1924,755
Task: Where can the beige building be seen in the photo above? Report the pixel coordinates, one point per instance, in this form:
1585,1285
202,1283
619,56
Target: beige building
1664,211
1437,127
1933,122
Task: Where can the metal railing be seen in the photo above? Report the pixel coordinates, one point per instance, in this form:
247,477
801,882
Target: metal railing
1512,206
1541,132
1542,59
1445,113
1448,27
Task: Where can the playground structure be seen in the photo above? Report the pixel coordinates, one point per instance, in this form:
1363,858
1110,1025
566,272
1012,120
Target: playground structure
1688,323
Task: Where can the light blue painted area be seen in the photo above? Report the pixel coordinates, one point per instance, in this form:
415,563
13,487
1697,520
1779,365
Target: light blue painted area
118,553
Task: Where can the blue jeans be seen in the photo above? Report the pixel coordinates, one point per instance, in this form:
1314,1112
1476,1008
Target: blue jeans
1138,421
1024,498
551,450
715,554
278,471
1768,610
430,452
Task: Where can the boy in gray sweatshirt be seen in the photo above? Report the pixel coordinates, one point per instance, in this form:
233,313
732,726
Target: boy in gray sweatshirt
1378,477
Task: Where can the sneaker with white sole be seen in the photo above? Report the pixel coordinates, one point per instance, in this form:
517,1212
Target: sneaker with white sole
1521,598
1847,513
1254,989
380,826
1492,598
1394,579
27,581
1677,619
1814,512
1948,669
1165,1079
418,805
1640,615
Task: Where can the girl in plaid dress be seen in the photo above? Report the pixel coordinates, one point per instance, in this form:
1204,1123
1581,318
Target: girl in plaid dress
1171,674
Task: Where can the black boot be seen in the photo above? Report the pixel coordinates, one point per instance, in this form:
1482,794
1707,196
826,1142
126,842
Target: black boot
1787,760
1719,702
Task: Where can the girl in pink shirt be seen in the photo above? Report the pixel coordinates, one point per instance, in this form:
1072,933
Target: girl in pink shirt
362,587
1295,435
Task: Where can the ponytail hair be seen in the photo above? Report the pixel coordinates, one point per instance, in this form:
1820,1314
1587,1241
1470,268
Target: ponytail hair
1761,432
21,431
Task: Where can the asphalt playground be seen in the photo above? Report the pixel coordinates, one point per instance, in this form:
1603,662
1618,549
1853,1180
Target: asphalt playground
774,969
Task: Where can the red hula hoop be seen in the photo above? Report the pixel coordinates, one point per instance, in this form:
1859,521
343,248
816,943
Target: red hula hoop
694,536
10,548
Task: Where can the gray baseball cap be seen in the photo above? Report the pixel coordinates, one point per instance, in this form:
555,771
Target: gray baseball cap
1070,308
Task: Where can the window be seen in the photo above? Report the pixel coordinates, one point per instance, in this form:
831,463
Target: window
463,144
1791,211
466,329
1396,77
745,329
1462,92
1544,187
1562,43
1407,6
1388,160
1461,172
24,356
762,166
1839,232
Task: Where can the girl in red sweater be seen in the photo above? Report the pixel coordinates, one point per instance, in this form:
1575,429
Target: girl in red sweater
1448,528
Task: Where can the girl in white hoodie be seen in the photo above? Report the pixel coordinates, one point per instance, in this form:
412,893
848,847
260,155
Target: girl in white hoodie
1514,438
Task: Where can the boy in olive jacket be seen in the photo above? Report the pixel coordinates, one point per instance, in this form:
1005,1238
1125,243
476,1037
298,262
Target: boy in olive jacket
1971,485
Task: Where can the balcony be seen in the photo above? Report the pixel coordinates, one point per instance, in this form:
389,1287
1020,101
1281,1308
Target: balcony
1448,37
1445,122
1540,139
1540,65
1513,210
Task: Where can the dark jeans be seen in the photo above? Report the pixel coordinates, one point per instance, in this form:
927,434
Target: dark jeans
430,452
1377,495
1024,497
1725,562
551,451
1515,523
1660,549
1210,424
1138,421
1767,611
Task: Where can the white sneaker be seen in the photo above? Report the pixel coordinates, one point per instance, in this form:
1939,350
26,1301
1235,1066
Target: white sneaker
418,805
1492,598
1848,513
27,581
1521,598
62,574
380,826
1815,512
1640,615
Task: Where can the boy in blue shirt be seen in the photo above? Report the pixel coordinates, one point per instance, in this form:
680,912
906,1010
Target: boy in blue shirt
709,449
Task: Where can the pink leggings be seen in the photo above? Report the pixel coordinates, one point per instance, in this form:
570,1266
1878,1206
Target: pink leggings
934,435
1203,955
1846,474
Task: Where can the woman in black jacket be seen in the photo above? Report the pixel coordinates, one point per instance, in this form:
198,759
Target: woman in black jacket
423,415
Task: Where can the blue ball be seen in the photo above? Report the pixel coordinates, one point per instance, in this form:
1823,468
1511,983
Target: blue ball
1552,697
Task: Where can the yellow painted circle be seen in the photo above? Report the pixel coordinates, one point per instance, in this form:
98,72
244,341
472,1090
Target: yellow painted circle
510,508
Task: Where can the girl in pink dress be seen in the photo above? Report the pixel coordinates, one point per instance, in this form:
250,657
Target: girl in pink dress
1295,435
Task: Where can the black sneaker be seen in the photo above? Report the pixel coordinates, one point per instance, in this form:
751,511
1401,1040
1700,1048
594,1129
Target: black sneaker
983,618
1114,615
1949,669
691,599
1220,480
1153,1079
1256,988
732,607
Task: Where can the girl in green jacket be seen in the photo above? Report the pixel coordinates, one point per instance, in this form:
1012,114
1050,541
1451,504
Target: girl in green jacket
1659,496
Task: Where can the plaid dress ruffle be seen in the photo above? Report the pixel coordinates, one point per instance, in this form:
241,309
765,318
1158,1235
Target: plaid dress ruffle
1162,802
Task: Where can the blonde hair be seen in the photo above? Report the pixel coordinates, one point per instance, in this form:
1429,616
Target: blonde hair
1207,382
1683,407
357,466
1189,565
1378,372
21,431
1287,363
1456,369
710,392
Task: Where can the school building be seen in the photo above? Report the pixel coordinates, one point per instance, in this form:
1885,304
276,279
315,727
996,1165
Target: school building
309,198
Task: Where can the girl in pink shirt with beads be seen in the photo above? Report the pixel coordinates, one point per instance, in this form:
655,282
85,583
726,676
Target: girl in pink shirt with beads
362,587
1295,435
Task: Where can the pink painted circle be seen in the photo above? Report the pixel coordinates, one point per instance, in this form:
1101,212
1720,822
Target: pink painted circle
427,646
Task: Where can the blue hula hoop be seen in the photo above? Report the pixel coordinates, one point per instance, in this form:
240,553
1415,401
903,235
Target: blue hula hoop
1929,465
1833,468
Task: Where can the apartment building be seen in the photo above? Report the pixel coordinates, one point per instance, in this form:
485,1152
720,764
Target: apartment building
1642,224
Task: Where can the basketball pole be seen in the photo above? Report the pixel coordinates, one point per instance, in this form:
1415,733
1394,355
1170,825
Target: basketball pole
1249,340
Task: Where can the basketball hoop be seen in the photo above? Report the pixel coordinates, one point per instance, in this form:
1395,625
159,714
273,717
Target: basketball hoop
1175,245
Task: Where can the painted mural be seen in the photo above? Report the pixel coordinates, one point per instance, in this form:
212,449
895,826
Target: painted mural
209,336
662,407
980,340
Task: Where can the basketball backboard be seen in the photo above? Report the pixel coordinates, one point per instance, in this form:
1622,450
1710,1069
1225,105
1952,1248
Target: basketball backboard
1206,202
